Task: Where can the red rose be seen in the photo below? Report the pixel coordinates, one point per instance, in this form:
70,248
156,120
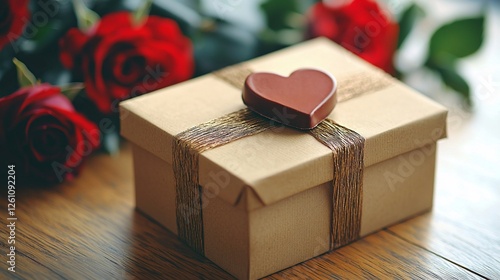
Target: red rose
13,15
43,135
118,59
359,26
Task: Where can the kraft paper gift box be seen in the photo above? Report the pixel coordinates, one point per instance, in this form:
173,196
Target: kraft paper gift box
267,201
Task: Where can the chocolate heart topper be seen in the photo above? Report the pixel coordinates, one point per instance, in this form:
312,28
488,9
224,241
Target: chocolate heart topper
302,100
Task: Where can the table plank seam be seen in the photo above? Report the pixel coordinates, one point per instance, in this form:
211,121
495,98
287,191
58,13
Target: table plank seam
434,253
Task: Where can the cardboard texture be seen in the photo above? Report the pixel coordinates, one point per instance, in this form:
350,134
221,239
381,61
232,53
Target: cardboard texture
267,198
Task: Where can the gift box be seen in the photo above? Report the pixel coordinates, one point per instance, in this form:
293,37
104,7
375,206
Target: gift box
255,196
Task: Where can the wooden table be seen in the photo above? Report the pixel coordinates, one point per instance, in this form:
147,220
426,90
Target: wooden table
88,228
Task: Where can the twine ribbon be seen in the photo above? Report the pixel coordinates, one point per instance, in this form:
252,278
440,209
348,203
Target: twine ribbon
347,152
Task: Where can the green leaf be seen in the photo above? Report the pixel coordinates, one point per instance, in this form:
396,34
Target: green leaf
72,90
452,79
86,17
24,75
458,39
408,20
277,12
283,37
142,12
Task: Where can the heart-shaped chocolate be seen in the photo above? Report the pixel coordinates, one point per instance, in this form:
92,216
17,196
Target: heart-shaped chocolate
302,100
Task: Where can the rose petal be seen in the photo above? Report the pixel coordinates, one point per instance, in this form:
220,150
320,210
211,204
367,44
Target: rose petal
34,116
71,46
12,27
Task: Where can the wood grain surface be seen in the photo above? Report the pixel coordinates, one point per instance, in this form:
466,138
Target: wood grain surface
89,229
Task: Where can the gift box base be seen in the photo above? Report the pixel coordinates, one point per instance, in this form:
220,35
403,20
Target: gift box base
250,242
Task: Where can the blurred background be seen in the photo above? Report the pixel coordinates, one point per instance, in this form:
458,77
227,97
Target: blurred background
437,41
88,56
446,49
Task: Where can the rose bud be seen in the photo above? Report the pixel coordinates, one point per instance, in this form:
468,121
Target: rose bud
360,26
13,15
118,58
43,135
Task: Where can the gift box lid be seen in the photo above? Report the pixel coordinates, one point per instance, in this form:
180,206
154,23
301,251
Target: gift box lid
275,164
